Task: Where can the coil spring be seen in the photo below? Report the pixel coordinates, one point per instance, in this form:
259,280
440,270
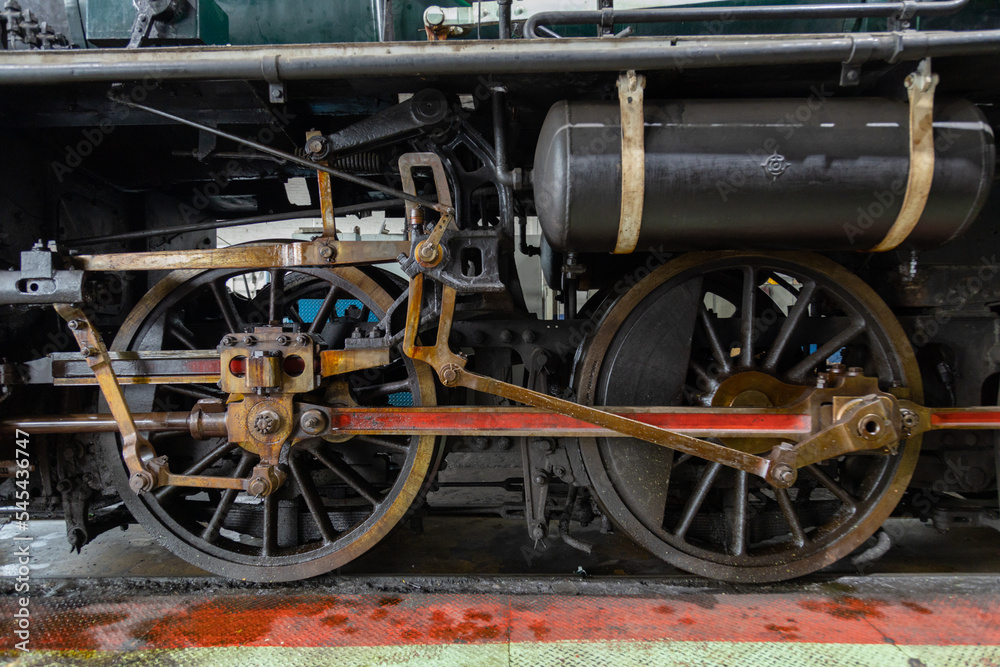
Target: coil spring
367,163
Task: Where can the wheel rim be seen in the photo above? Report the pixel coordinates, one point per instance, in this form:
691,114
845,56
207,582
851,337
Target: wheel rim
700,516
363,486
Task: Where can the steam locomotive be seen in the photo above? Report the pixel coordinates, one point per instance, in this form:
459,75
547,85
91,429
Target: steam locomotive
721,275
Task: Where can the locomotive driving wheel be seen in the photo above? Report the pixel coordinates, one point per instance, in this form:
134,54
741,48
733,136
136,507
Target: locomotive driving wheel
752,330
340,495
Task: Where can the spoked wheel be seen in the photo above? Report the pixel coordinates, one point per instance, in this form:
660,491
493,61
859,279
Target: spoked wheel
752,330
341,495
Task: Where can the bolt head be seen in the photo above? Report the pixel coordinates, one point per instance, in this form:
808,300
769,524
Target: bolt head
75,324
541,479
257,487
529,336
283,340
267,422
506,336
90,351
784,475
229,341
302,339
249,340
503,443
326,252
481,443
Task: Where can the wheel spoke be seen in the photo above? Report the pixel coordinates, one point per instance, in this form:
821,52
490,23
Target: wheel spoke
276,297
721,355
177,329
226,306
738,519
383,442
211,532
791,323
313,501
269,539
697,498
325,308
746,316
710,382
197,468
293,314
785,503
836,489
353,479
798,373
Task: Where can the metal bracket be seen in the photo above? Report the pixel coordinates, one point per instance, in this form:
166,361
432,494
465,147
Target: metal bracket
275,86
850,70
38,282
631,87
921,86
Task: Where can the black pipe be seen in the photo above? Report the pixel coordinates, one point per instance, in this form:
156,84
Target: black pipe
471,57
504,6
896,10
235,222
504,176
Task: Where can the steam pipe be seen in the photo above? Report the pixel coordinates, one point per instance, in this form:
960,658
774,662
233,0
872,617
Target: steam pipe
897,10
473,57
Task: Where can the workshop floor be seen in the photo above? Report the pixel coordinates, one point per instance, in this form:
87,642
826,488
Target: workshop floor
933,600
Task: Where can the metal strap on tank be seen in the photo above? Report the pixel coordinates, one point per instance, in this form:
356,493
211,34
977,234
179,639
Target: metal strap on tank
921,85
630,94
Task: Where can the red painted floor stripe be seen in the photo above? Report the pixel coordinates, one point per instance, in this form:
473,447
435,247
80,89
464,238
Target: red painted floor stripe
324,620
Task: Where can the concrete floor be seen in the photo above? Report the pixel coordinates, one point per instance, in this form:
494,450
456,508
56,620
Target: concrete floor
485,546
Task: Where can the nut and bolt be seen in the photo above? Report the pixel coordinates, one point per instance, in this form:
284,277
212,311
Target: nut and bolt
90,351
357,333
540,479
75,324
141,482
855,371
784,475
480,443
317,145
249,340
529,336
542,444
506,336
303,339
283,340
910,418
229,341
428,253
258,487
559,471
312,421
267,422
449,375
326,252
538,531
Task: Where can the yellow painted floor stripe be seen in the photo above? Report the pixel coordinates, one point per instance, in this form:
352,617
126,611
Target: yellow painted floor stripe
596,654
